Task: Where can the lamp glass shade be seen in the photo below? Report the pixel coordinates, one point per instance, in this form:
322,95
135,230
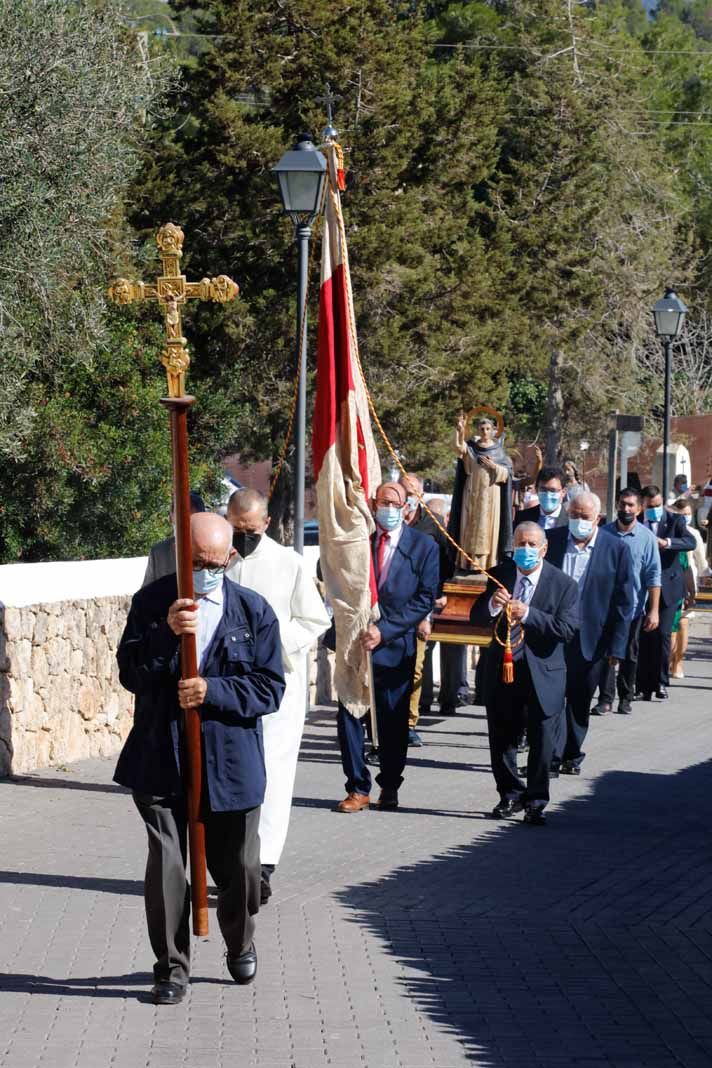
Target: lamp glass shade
669,314
301,174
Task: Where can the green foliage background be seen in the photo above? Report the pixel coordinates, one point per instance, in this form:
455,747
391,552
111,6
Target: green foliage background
523,179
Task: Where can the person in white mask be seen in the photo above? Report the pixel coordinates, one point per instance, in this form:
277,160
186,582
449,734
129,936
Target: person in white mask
602,568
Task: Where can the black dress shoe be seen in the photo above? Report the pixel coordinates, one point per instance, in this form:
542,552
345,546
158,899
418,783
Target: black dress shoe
601,709
243,969
624,708
506,809
554,771
569,768
388,799
373,758
168,993
647,696
661,693
534,815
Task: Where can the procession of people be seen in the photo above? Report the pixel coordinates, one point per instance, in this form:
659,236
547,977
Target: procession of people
570,604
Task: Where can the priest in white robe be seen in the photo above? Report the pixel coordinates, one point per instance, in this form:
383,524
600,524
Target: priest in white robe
279,574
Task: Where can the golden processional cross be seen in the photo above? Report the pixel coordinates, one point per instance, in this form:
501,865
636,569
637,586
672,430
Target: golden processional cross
172,291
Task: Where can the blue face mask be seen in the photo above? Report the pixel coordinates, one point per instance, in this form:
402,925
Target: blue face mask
204,581
549,500
654,514
683,487
526,557
389,517
581,528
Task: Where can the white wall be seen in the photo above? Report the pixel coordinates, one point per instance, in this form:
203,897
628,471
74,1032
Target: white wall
75,580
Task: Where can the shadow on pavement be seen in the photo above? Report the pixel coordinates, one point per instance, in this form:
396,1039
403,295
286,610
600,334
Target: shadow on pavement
64,784
93,986
73,882
588,941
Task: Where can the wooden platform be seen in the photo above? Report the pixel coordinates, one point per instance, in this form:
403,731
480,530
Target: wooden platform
453,623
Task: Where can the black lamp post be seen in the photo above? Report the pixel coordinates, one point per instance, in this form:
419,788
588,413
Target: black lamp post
301,175
669,314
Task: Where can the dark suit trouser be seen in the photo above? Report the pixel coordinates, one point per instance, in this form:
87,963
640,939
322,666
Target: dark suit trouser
654,656
627,669
232,847
509,708
453,674
393,687
582,678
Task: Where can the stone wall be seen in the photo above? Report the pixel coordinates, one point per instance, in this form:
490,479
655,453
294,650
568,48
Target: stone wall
60,696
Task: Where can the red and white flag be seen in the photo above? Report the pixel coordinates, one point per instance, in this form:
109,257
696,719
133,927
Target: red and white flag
347,470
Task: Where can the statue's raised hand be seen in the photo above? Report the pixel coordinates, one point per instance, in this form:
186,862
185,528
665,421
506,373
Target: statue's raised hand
460,426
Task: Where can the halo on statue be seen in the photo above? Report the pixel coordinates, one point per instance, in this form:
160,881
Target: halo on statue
492,413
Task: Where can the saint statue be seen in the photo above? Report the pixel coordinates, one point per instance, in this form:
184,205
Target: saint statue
481,512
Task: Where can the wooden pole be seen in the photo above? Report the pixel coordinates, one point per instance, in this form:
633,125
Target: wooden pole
192,757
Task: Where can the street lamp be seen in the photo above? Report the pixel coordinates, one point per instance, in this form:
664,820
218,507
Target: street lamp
669,314
301,174
583,447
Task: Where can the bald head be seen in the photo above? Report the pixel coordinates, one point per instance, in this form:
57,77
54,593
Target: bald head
390,493
247,500
529,534
437,506
211,538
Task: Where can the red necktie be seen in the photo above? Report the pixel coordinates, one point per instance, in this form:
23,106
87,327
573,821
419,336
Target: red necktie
382,546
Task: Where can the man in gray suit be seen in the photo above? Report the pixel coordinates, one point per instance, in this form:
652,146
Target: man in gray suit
162,555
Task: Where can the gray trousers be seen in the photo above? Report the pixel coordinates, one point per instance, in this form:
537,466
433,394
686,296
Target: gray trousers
232,847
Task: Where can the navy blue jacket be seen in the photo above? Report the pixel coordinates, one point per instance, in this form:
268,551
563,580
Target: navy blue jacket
550,624
407,595
243,670
609,600
672,584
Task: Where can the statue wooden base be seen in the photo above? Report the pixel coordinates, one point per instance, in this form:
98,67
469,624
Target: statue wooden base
453,623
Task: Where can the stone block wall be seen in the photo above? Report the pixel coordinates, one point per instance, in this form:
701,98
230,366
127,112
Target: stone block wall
60,696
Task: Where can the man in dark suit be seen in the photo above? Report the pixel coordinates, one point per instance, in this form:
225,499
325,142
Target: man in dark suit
542,603
240,680
601,566
407,574
549,512
673,538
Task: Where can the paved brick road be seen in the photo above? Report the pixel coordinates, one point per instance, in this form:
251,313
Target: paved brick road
430,936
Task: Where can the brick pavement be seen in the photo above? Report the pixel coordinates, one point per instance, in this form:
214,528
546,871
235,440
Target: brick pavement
430,936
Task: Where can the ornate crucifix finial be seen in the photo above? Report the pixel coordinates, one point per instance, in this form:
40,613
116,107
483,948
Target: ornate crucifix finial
328,100
172,290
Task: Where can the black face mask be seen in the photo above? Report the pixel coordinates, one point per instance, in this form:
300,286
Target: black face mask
625,520
246,542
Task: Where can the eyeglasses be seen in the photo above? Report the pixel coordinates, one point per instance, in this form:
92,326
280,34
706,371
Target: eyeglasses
215,572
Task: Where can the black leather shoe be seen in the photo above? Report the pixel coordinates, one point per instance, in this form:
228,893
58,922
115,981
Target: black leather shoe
554,771
647,696
661,693
624,708
373,758
569,768
388,799
506,809
243,969
601,709
167,993
534,816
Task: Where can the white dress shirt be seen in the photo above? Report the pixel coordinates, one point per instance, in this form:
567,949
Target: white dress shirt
391,544
577,558
547,520
210,610
533,578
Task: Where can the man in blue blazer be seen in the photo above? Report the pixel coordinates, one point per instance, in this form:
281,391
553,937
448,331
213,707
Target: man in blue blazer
601,566
240,680
407,569
542,603
673,538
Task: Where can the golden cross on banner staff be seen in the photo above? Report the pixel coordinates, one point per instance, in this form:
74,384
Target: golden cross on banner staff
172,290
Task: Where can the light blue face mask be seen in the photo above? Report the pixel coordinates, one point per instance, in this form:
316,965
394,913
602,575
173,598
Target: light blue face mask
581,528
549,500
205,581
526,557
389,517
654,514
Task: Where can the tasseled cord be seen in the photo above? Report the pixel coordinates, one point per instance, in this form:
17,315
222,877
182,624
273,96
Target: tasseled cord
508,659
